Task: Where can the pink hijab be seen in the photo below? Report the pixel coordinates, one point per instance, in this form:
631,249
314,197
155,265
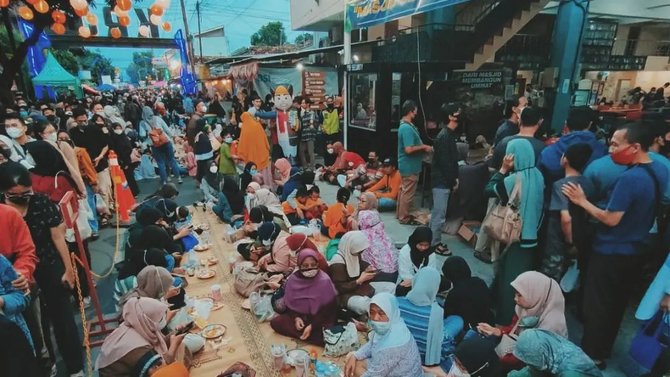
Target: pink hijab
140,327
284,167
381,254
546,299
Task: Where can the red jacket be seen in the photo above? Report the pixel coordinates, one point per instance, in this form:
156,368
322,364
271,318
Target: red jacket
17,245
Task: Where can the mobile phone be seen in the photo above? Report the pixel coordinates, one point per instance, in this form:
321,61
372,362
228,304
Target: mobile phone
186,328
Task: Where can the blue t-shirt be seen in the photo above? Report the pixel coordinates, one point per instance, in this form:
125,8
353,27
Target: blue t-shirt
603,173
665,162
408,136
634,193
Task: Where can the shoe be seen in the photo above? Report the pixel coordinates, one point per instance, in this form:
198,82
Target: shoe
78,374
54,371
94,236
484,257
87,302
180,181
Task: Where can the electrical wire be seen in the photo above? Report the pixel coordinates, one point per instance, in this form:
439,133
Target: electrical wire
418,66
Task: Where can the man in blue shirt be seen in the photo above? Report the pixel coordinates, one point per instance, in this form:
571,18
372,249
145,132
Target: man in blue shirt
623,226
410,155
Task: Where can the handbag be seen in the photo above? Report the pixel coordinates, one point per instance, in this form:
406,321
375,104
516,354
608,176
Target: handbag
506,345
248,280
158,137
503,223
340,340
651,340
278,300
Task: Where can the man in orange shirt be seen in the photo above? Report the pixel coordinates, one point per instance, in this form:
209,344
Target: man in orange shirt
386,189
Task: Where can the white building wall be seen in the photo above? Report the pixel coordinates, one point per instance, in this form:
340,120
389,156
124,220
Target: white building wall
306,13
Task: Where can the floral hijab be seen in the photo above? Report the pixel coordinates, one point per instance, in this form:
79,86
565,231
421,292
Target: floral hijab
381,254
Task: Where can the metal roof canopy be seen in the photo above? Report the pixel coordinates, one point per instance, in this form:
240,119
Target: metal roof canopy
70,41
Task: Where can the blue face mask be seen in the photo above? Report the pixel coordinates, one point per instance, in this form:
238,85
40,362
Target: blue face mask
179,224
23,114
253,172
380,328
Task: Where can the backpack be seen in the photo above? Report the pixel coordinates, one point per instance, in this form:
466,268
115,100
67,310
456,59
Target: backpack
158,137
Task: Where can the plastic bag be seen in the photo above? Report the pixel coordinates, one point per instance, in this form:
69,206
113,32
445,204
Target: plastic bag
261,306
570,280
85,231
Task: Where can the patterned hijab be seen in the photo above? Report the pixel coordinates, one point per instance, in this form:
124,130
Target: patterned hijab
382,254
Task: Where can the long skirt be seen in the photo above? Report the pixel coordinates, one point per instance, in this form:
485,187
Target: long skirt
514,261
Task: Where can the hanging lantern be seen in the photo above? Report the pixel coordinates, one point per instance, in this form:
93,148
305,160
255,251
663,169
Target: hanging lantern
58,28
115,32
81,12
120,12
166,26
26,13
58,16
4,3
92,19
42,7
78,4
145,31
156,20
32,2
124,20
155,9
84,31
124,4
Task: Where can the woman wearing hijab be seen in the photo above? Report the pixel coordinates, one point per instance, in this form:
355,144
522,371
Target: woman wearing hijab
298,242
539,304
153,282
469,297
546,353
204,154
235,196
210,184
283,167
391,351
149,232
416,254
436,338
249,174
475,357
351,275
292,184
310,300
382,254
254,147
280,260
366,202
50,176
266,236
518,166
137,347
131,268
121,144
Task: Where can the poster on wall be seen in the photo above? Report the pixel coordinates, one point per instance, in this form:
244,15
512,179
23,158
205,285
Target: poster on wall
268,79
314,88
366,13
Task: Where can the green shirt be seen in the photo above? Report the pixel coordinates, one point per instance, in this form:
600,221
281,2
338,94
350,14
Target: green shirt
226,163
408,136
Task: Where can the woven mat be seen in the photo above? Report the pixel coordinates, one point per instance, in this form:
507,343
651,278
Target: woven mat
246,339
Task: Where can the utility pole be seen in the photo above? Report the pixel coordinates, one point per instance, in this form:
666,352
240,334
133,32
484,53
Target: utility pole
189,42
197,9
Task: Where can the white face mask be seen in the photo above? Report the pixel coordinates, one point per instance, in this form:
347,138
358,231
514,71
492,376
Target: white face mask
203,109
162,323
52,137
331,151
213,169
14,132
267,243
228,140
118,132
310,273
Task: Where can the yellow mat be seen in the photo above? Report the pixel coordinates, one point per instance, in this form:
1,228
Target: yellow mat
246,339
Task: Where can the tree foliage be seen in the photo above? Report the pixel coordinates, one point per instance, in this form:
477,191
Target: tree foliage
67,60
141,66
270,34
304,39
98,65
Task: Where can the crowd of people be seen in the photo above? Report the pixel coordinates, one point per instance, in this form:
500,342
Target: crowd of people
596,204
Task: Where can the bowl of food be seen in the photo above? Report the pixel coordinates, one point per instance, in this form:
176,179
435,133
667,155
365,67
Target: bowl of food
201,248
213,331
206,273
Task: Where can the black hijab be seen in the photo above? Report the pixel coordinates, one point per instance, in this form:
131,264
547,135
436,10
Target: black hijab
245,177
478,356
48,160
213,180
234,195
456,269
260,214
421,234
139,260
148,216
168,209
469,297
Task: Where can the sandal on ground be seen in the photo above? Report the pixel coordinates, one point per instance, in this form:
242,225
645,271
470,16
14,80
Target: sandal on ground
484,257
442,249
410,221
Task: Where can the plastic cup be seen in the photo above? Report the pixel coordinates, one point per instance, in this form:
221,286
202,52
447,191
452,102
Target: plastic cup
301,365
278,354
216,292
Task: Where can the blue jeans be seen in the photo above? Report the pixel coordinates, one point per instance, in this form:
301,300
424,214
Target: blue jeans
452,327
386,204
164,156
222,209
90,198
439,212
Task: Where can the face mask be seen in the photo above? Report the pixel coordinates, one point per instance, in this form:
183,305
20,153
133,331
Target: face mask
309,273
267,243
51,137
82,124
372,160
331,150
14,132
23,114
253,172
228,140
101,113
330,106
624,156
118,132
19,200
51,119
529,322
162,323
380,328
203,109
68,113
455,371
213,169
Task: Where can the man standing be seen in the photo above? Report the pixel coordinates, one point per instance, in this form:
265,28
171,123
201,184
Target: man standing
617,247
410,155
309,122
444,173
530,122
192,127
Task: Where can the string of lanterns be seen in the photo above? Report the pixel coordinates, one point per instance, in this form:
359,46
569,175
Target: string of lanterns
81,9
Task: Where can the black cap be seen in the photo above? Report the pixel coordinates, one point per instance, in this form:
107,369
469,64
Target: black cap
450,109
389,162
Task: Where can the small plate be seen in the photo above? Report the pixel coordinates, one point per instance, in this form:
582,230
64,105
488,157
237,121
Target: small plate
211,261
206,274
246,304
213,331
293,354
201,248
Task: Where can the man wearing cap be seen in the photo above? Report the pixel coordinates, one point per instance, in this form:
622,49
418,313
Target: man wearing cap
444,172
387,188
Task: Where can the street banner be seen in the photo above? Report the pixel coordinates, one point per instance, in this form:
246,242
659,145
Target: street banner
366,13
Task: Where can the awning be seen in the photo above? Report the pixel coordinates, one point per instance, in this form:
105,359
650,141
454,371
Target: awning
244,72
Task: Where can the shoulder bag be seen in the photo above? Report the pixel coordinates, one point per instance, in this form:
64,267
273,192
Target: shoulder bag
503,222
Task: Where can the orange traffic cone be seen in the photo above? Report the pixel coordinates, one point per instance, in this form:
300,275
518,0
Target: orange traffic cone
124,197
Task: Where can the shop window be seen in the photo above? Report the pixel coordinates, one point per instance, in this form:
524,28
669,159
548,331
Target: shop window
362,100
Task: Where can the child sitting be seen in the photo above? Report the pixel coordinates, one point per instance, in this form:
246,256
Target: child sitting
335,218
295,209
314,207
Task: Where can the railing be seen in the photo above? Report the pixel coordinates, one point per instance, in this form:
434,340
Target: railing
474,11
642,47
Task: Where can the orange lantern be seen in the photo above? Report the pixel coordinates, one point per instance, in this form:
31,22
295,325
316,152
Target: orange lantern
42,7
26,13
115,32
92,19
157,10
124,4
79,4
32,2
4,3
124,20
58,16
166,26
84,31
144,31
156,20
58,29
81,12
